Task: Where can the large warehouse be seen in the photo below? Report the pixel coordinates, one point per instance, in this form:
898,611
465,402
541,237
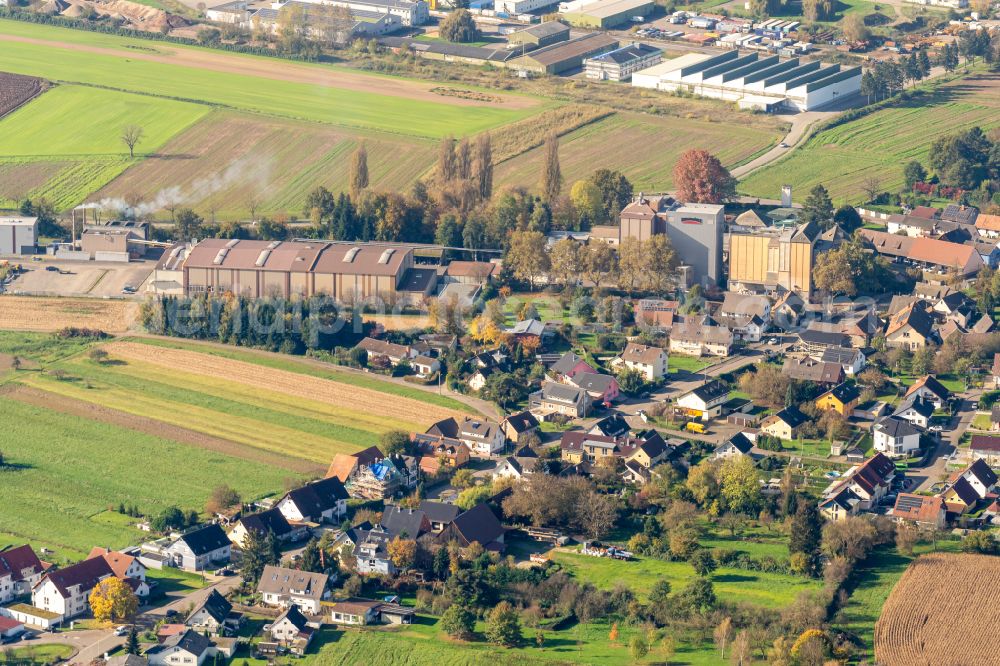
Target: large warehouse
605,14
564,56
754,81
343,271
18,235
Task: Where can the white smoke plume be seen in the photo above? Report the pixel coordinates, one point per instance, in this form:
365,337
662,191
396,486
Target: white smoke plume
255,173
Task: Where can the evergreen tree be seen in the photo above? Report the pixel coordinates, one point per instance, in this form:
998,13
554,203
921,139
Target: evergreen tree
818,207
359,171
446,166
868,86
256,556
551,173
310,558
925,63
441,563
132,644
912,68
806,532
484,167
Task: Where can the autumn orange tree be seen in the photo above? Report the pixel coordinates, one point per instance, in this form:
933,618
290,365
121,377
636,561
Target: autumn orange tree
112,600
699,177
402,552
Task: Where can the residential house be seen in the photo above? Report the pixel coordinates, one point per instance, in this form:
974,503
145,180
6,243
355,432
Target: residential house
613,425
66,591
440,343
861,488
271,521
435,452
650,362
369,474
424,365
979,477
737,445
814,341
895,437
602,389
693,338
126,567
345,467
655,313
483,437
983,325
960,497
471,272
529,331
995,371
704,402
479,524
931,390
960,213
784,424
187,649
916,410
200,549
515,468
787,309
291,629
214,615
477,380
852,360
393,353
20,571
651,450
808,369
985,448
912,328
929,254
355,611
371,551
920,510
556,398
957,307
439,514
518,428
405,523
577,447
842,398
317,502
567,367
747,316
859,328
281,587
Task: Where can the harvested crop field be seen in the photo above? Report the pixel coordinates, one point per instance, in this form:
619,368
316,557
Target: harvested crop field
642,147
368,402
227,157
24,313
15,90
939,597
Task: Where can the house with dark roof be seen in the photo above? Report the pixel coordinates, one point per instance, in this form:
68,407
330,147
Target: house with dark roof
601,388
435,451
519,427
371,551
698,338
912,328
200,549
478,524
214,615
784,424
980,477
895,437
439,514
66,591
380,348
850,359
282,587
568,366
860,489
960,496
614,425
271,521
842,398
405,523
20,570
189,648
651,450
814,342
554,398
292,630
985,448
704,402
317,502
916,410
737,445
960,213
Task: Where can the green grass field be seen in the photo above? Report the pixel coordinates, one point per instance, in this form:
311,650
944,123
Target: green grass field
68,469
47,153
880,144
338,106
731,585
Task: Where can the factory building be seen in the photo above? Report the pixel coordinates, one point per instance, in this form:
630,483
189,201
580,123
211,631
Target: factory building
18,235
346,272
694,230
618,65
605,14
773,260
754,81
564,56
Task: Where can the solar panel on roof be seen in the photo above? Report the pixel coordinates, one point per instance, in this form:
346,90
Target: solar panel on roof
909,503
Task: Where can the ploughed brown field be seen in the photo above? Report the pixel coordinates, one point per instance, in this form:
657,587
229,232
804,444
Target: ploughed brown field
942,613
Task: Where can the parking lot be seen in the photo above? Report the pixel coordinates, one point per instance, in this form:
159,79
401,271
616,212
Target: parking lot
50,277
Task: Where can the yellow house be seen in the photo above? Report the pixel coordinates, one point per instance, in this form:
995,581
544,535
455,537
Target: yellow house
842,399
783,425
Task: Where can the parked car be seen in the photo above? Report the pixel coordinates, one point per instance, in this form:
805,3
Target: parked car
54,269
121,630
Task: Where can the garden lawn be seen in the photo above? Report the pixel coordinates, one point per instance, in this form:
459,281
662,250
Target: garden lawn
290,99
731,585
681,363
68,469
37,654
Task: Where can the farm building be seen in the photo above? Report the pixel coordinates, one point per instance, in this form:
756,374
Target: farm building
607,13
540,35
927,253
447,52
619,64
319,22
565,56
415,12
754,81
229,12
18,235
343,271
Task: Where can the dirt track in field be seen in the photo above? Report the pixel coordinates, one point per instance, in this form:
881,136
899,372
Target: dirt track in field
284,70
73,407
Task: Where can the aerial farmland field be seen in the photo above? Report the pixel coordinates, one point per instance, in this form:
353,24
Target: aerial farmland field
204,416
880,144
